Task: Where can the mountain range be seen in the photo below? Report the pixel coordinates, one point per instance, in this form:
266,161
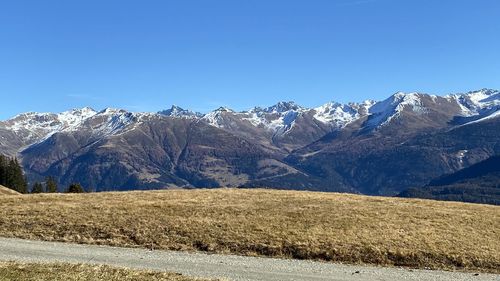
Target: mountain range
376,148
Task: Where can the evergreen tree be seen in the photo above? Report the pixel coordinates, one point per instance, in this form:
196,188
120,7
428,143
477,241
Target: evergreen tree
75,188
37,188
14,177
50,185
3,170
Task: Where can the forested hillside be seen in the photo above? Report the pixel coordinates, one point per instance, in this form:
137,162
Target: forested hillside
479,183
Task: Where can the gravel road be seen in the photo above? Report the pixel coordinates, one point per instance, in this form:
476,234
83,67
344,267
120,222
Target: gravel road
216,266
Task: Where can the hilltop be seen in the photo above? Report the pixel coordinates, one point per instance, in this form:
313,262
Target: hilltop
7,191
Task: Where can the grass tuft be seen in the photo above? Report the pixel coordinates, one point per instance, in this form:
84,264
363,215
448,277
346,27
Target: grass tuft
10,271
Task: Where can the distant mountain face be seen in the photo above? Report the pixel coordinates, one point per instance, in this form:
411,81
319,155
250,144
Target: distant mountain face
369,147
479,183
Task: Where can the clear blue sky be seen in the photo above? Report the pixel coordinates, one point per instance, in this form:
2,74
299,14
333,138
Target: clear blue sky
145,55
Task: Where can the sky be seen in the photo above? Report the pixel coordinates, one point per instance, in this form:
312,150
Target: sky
146,55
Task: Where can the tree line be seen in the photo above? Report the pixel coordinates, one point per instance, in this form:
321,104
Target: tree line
12,176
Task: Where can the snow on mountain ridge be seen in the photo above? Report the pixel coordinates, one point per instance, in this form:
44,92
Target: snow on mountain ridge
72,119
283,106
115,121
216,117
279,118
49,122
384,111
341,114
176,111
280,124
495,114
477,103
32,121
34,127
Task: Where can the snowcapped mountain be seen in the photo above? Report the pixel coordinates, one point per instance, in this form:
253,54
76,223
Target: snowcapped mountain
353,147
284,122
281,118
31,128
216,117
71,119
477,104
390,108
473,105
282,107
49,122
176,111
278,118
110,121
342,114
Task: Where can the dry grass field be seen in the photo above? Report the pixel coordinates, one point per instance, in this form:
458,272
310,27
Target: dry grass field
68,272
304,225
7,191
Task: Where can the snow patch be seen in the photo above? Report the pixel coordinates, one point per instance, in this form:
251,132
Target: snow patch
476,103
35,125
216,117
383,112
339,115
178,112
494,115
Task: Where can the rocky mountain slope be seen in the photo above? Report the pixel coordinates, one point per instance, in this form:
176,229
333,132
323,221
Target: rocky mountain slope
369,147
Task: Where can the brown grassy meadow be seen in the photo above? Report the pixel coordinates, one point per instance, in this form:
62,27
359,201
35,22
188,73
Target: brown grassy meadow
67,272
303,225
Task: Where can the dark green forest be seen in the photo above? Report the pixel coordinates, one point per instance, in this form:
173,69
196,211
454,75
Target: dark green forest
11,175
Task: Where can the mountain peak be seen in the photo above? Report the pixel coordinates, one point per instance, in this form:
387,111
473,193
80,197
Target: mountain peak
404,96
223,109
110,110
75,117
384,111
485,91
177,111
339,114
396,102
483,95
282,106
86,109
216,117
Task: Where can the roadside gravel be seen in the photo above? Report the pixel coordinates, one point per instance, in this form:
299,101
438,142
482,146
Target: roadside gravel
217,266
